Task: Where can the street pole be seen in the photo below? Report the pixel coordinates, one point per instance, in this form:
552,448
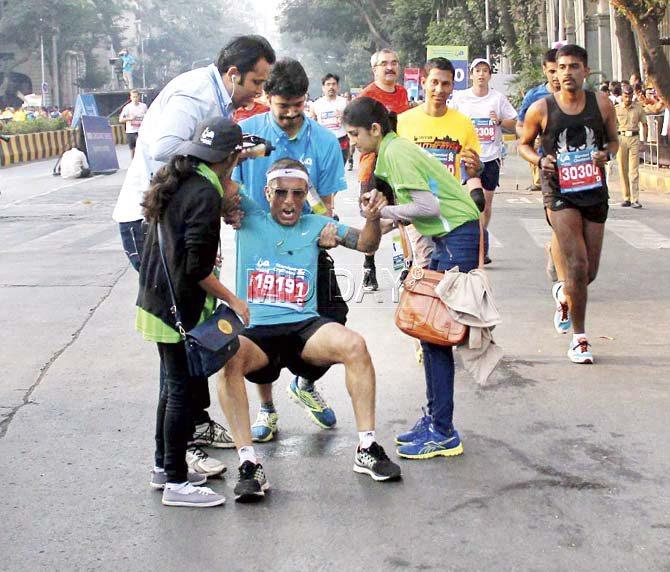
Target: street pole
139,33
42,62
488,46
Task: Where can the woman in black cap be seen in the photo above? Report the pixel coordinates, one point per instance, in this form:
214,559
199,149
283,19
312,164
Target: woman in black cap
187,199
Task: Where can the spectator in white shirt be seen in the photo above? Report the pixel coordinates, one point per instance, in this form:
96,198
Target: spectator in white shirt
73,164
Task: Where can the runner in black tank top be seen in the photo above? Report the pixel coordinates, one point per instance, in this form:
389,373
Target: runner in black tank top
578,130
572,139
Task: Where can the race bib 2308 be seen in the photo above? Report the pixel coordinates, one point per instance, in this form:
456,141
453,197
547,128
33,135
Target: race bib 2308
576,172
485,128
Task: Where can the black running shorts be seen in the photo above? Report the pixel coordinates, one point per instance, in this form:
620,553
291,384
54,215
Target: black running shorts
283,344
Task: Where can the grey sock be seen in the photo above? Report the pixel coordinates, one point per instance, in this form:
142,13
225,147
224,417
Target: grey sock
305,384
268,406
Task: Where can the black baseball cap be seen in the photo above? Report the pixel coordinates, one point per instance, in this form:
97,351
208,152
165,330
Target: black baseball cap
214,140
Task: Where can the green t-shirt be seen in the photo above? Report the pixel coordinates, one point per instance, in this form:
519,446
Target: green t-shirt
407,167
153,328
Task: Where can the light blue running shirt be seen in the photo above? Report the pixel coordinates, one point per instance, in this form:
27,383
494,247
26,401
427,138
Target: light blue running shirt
277,265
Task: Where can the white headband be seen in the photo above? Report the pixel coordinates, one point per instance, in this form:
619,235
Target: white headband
294,173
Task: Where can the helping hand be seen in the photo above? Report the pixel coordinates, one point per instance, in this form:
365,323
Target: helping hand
241,308
372,203
328,236
473,165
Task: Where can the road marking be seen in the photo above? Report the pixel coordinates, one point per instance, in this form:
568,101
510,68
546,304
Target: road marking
59,188
112,245
493,241
637,234
538,229
62,238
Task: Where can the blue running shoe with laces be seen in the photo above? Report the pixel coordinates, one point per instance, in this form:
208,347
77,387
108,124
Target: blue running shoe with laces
433,444
562,320
265,427
314,405
416,432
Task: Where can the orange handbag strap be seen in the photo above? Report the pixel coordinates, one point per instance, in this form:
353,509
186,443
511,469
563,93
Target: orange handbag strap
407,246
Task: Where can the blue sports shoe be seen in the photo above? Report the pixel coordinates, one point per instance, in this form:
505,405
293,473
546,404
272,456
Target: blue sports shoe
416,432
432,444
562,320
314,405
264,428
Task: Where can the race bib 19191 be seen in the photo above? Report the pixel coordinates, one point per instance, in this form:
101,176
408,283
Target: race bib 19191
576,172
278,288
485,128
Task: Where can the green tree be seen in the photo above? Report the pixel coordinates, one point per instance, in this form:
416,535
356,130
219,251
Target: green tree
646,17
179,38
76,25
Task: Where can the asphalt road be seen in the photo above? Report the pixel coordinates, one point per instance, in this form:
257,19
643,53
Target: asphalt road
565,466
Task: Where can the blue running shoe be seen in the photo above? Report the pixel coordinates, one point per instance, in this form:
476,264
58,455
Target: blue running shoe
562,320
416,432
314,405
265,426
433,444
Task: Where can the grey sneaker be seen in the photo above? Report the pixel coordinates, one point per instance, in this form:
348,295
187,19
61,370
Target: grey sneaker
159,479
200,462
212,434
188,495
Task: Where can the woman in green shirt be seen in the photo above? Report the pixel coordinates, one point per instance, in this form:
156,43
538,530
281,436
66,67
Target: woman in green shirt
440,208
186,199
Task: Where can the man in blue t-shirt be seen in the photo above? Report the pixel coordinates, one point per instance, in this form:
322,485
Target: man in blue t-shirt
297,137
550,71
277,260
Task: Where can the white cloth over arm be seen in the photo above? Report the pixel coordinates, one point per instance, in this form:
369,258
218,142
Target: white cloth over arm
470,301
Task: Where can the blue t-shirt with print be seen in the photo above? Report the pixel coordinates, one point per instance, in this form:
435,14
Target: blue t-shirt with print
314,146
277,265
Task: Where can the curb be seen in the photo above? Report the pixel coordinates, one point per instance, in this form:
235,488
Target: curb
34,146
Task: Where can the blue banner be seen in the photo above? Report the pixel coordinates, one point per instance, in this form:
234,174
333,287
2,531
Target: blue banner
86,105
100,148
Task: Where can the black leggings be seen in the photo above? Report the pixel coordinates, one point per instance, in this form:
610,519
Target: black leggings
174,418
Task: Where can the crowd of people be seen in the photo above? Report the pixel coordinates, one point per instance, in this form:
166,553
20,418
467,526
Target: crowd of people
429,169
30,113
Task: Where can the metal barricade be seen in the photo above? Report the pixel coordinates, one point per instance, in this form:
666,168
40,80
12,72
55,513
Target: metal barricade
651,153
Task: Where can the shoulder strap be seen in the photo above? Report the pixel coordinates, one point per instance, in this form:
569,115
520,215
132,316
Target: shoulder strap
173,297
481,244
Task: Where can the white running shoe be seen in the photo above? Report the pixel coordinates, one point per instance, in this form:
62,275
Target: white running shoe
562,320
580,352
200,462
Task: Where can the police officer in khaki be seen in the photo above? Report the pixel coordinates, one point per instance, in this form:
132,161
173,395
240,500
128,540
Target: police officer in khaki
629,115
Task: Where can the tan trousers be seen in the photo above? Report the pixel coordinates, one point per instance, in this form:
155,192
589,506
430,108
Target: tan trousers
535,172
628,160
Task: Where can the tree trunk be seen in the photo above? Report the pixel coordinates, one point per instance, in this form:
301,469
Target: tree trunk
509,33
627,46
656,66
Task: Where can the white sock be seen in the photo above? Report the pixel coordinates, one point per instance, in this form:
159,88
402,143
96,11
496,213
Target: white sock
366,438
159,470
576,338
247,453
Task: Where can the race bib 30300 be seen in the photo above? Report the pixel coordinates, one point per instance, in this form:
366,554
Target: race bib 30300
576,172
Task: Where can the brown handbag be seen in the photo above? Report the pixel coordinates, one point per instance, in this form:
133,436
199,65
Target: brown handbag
421,313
